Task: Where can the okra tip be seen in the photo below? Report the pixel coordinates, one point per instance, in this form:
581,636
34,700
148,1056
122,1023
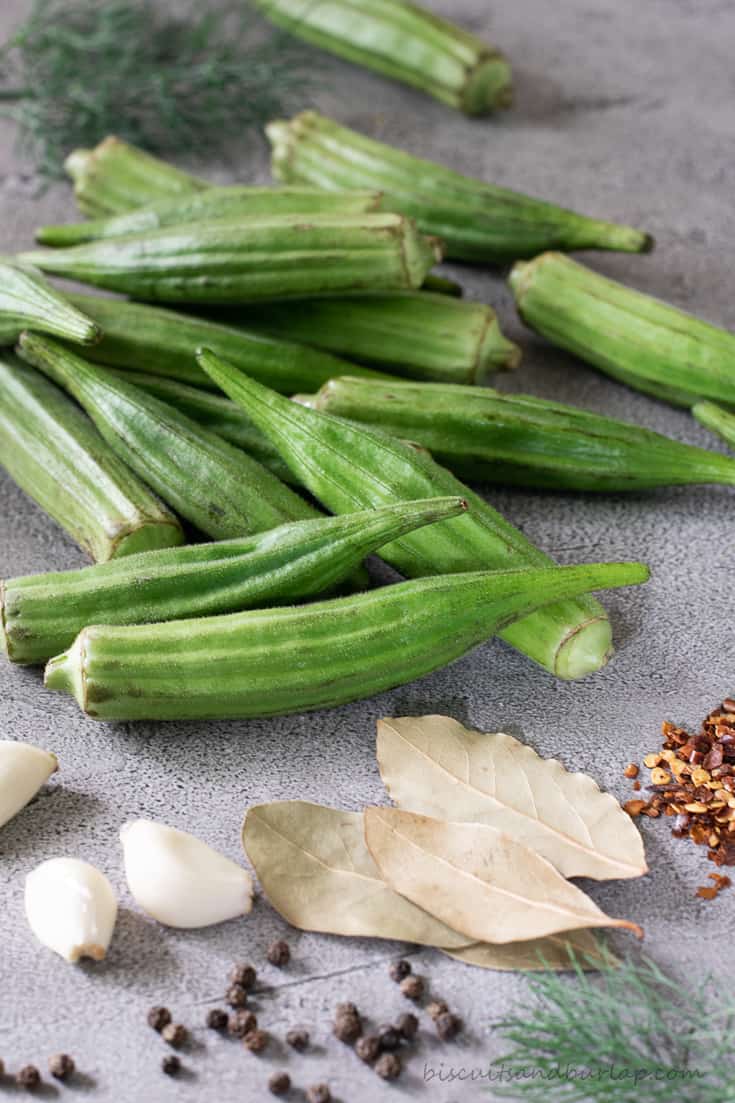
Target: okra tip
489,86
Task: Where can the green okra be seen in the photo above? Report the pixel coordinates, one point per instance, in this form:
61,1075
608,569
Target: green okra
164,342
406,43
419,334
55,454
348,466
40,615
264,663
254,258
116,176
219,415
719,420
27,301
211,204
476,221
215,486
481,434
633,337
442,285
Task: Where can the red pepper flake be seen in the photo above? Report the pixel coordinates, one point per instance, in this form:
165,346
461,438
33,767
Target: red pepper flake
693,781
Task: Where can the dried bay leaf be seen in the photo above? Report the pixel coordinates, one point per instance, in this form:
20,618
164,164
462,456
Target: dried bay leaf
315,869
436,766
476,879
559,952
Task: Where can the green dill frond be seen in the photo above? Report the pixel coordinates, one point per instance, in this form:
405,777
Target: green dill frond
172,84
626,1034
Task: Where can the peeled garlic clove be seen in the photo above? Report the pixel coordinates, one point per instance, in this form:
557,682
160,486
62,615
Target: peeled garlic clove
71,908
179,880
23,770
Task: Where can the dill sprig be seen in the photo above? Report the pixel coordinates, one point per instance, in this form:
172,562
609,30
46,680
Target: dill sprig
185,83
627,1034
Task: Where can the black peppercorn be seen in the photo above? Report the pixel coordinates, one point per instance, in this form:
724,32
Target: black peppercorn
318,1093
61,1066
255,1041
298,1039
279,953
236,996
346,1009
436,1008
347,1028
388,1067
447,1025
389,1037
175,1034
399,970
29,1078
158,1017
367,1048
412,987
241,1023
171,1064
217,1019
244,975
407,1025
279,1083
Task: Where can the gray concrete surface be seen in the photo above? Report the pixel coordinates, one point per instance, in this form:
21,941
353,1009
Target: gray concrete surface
624,110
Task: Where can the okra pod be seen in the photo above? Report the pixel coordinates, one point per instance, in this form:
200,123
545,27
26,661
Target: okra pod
55,454
348,466
27,301
215,486
406,43
164,342
116,176
254,258
265,663
719,420
516,439
219,415
209,205
633,337
40,615
476,221
419,334
442,285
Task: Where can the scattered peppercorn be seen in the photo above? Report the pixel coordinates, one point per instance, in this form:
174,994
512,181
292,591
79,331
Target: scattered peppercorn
347,1028
255,1040
175,1034
318,1093
447,1025
407,1026
298,1039
241,1023
367,1048
279,1083
61,1066
632,769
279,953
346,1009
436,1008
388,1067
389,1037
236,996
29,1078
412,987
693,781
217,1019
244,975
171,1064
399,970
158,1017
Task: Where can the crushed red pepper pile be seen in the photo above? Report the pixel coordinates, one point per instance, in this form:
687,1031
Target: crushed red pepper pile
693,780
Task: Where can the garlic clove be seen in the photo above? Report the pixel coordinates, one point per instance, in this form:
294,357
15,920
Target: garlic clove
179,880
23,770
71,908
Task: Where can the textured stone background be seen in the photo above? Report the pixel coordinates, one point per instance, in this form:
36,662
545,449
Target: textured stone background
623,110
